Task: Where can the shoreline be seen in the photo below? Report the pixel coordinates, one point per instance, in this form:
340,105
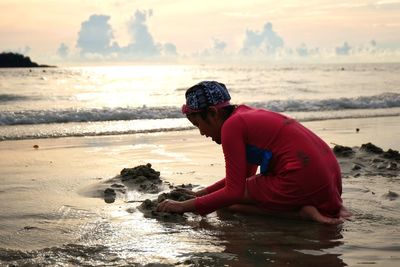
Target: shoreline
328,128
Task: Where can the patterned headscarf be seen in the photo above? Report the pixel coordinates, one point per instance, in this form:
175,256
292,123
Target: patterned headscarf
204,95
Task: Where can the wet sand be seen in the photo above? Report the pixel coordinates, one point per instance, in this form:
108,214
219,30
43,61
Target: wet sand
54,210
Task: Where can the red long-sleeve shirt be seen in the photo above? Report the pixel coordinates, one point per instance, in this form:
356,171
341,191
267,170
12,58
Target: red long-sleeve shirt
302,171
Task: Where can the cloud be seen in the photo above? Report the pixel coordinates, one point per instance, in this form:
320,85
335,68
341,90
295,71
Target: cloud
142,42
343,50
63,50
96,40
304,51
266,42
216,51
219,46
96,36
169,49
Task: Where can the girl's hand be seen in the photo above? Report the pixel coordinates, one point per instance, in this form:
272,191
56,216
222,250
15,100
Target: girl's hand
169,205
185,191
199,193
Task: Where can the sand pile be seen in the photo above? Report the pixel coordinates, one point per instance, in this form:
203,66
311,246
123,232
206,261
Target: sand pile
367,160
145,179
148,207
142,178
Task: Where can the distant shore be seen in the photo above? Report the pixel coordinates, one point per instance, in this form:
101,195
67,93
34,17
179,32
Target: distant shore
15,60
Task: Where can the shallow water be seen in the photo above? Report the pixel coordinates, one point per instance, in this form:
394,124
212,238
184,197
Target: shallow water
117,235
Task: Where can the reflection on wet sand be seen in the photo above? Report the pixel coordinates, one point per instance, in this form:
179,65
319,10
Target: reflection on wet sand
260,241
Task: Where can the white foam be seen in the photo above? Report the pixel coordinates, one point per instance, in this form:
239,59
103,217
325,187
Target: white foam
381,101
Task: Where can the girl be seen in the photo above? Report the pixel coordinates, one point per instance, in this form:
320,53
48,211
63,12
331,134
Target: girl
299,174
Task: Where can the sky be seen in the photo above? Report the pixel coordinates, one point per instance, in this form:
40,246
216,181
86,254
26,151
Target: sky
124,31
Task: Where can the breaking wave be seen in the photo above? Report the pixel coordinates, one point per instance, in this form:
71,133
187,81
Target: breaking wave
381,101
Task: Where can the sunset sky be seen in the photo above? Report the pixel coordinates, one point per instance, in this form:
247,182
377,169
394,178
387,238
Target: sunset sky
52,31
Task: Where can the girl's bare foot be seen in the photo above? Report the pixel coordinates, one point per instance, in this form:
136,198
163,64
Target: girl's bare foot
310,212
344,213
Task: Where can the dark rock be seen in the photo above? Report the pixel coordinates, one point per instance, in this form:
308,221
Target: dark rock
117,186
392,166
371,148
356,167
391,154
131,210
109,195
30,228
391,195
343,151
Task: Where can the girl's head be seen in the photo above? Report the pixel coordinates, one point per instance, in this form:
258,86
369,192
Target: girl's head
207,107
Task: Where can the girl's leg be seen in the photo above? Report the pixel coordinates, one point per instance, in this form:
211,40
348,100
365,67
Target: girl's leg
248,206
306,213
255,210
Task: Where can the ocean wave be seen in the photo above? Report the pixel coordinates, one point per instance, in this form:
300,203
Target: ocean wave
88,115
381,101
45,135
11,97
385,100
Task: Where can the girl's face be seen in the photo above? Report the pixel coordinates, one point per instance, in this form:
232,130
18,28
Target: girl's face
210,127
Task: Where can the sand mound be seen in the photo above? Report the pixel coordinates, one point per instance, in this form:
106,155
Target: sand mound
368,160
149,207
145,179
142,178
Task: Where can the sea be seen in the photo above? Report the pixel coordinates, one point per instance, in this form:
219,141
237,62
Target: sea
91,101
45,220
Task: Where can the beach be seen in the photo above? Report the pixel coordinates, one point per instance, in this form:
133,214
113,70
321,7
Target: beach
68,135
111,113
53,209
